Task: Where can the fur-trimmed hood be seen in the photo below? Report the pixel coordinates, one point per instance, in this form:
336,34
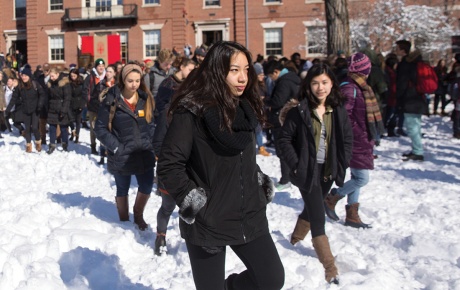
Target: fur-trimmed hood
61,81
288,106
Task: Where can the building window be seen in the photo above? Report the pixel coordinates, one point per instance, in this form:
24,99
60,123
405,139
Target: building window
56,5
103,5
88,3
272,1
147,2
20,8
124,46
273,41
212,3
152,43
56,47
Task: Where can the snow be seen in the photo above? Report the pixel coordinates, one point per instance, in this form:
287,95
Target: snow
59,228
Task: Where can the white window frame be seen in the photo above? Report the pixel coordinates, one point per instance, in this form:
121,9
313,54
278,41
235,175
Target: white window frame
51,34
207,6
307,24
274,25
149,27
273,3
57,10
151,4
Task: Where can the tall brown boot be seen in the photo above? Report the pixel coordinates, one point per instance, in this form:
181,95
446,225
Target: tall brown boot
353,219
301,229
123,207
38,145
139,206
29,147
323,251
330,202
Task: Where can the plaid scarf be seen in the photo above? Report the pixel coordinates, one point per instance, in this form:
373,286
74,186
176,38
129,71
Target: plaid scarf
374,118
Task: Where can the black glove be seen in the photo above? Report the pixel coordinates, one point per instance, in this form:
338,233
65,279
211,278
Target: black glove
267,185
192,204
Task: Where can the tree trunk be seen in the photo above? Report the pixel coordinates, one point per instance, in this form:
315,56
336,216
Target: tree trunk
338,27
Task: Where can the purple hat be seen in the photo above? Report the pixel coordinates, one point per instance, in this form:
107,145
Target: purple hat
359,63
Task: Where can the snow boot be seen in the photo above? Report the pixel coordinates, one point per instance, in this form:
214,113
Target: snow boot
138,209
29,147
38,145
65,146
330,202
263,151
323,251
51,148
93,149
353,219
76,139
123,207
101,161
160,241
301,229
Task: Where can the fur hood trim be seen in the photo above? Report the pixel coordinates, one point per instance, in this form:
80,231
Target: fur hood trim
62,82
288,106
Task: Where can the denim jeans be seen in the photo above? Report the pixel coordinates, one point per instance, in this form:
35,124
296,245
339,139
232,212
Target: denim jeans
259,136
413,124
64,133
351,188
145,182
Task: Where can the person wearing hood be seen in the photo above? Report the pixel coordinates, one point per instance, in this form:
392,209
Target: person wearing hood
409,100
59,112
92,87
287,84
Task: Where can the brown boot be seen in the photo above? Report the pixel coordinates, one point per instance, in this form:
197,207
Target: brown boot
123,207
263,151
323,251
139,206
330,202
301,229
38,145
353,219
29,147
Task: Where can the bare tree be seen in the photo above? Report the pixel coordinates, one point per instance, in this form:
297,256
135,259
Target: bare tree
338,27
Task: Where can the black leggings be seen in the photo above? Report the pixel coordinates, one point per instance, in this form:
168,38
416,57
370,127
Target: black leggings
31,123
313,210
264,268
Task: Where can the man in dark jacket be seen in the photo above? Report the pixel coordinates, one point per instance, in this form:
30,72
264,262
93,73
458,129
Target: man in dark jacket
409,100
286,87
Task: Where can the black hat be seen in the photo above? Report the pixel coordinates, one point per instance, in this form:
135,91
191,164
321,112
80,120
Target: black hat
27,71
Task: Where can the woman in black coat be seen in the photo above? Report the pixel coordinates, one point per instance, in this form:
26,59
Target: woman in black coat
59,112
208,165
316,142
77,103
28,98
125,126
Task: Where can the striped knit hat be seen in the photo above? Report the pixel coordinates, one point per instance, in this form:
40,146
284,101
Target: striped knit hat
359,63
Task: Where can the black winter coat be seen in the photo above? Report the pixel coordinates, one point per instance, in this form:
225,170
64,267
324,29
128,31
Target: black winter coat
27,101
406,94
286,88
130,141
235,211
299,150
59,96
91,90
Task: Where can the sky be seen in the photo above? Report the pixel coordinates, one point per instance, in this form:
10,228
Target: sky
59,228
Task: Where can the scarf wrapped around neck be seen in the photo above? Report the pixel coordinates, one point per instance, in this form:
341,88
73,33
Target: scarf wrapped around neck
243,127
374,118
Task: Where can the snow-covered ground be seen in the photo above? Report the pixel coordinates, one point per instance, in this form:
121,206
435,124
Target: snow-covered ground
59,228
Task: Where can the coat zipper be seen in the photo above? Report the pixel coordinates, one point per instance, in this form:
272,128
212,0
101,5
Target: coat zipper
242,195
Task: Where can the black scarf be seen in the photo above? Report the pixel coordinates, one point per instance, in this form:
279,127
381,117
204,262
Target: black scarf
242,127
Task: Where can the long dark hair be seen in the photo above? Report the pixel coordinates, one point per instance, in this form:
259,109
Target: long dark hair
334,99
207,86
79,79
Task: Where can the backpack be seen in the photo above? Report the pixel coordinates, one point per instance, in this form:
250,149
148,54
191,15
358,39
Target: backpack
427,80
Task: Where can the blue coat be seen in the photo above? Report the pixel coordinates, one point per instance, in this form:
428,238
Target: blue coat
130,143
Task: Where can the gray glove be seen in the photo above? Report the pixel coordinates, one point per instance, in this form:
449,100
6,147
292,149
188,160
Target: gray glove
192,204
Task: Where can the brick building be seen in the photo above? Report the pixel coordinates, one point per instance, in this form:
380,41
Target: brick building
52,30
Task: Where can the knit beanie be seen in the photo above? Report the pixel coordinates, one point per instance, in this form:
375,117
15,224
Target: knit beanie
98,62
259,69
27,71
359,63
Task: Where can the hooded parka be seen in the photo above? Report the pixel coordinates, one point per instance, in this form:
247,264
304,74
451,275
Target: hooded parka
59,96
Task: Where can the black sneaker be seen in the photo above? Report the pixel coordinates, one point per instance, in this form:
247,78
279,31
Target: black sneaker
406,154
414,157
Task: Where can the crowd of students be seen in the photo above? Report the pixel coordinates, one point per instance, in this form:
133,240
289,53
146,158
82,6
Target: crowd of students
201,122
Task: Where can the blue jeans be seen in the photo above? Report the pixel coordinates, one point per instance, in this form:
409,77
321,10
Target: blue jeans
145,182
351,188
64,134
259,136
413,124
